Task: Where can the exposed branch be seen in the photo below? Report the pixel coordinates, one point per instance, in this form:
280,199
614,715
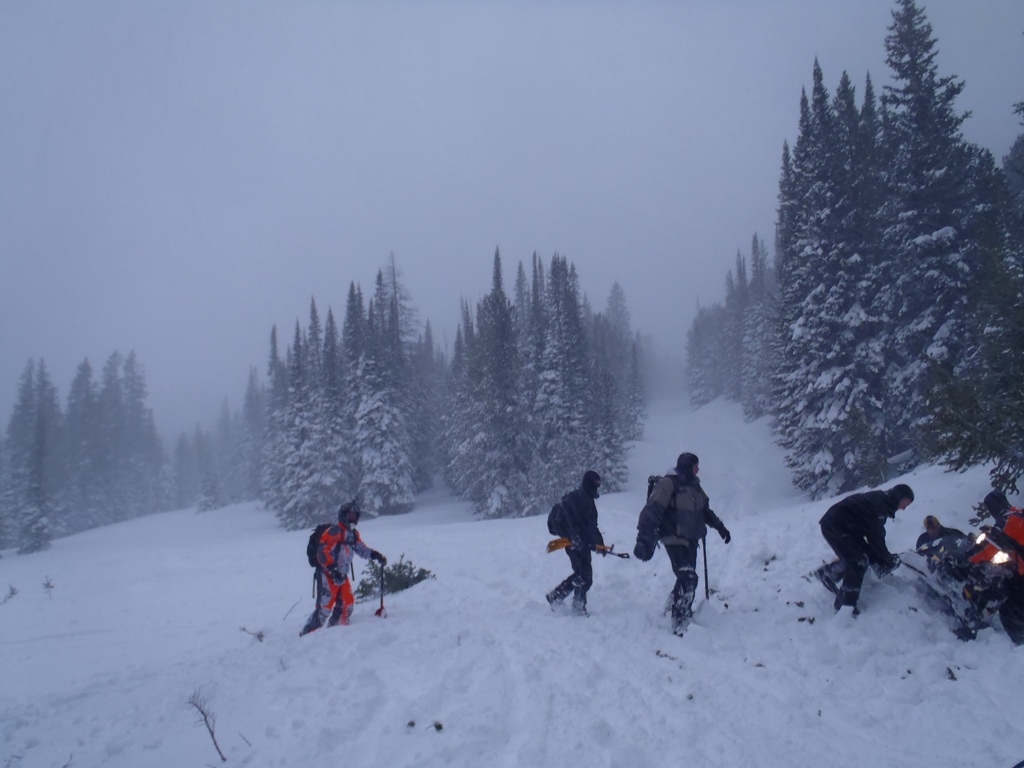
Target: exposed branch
207,718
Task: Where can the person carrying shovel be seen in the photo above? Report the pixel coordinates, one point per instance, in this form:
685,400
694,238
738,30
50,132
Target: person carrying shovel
575,518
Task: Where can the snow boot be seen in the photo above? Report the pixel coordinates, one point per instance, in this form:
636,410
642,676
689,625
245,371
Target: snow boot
579,602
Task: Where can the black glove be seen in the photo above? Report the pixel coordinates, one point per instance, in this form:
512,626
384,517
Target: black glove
884,567
724,533
335,575
377,556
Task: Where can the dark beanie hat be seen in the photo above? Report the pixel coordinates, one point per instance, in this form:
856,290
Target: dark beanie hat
685,464
591,482
901,491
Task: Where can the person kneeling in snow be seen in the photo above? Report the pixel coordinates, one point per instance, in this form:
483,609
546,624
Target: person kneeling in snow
855,529
338,545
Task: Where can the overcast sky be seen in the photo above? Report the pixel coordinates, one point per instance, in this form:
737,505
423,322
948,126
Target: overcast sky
178,177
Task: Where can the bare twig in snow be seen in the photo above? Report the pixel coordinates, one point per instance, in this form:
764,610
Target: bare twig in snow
207,718
291,609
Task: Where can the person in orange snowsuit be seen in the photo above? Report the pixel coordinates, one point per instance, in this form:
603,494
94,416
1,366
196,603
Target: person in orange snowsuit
1007,535
339,544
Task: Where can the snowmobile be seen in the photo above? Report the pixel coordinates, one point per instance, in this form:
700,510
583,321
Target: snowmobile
970,592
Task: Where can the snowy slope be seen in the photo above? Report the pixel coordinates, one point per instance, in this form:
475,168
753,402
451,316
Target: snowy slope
99,670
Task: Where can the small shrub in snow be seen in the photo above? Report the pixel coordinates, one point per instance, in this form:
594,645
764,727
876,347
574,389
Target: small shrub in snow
397,577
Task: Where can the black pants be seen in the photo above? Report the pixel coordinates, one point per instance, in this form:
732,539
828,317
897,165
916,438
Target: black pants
1011,613
854,560
579,582
684,566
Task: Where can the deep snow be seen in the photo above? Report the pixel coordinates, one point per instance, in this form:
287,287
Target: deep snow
473,669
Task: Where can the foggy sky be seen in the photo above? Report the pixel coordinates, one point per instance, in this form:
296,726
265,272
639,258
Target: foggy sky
178,177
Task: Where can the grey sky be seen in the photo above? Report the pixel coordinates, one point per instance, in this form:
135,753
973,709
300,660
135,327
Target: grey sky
178,177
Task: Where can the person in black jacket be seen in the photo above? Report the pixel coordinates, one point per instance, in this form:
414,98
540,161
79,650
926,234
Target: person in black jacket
679,512
578,522
855,529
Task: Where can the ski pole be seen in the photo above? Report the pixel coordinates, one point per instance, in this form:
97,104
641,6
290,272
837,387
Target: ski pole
704,550
380,611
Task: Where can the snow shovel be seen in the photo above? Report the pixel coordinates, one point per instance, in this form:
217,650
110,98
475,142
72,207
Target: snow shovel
380,611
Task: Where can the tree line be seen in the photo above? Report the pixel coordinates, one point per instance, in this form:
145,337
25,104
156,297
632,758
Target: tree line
889,329
537,388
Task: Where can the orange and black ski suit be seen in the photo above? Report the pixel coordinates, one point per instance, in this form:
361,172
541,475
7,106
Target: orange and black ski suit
1011,612
1013,526
338,545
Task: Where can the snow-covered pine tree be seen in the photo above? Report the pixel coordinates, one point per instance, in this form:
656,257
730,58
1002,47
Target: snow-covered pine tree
35,527
382,437
141,453
337,453
501,487
253,434
353,347
318,476
428,370
275,444
7,498
296,505
758,335
624,364
185,473
733,353
932,261
458,418
607,415
705,368
977,411
828,414
558,411
83,497
32,434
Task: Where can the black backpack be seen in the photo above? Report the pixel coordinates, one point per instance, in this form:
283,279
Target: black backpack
314,544
556,520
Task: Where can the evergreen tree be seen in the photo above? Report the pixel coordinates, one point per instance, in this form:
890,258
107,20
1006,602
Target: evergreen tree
705,340
758,335
932,259
275,445
254,425
383,436
500,487
558,411
84,497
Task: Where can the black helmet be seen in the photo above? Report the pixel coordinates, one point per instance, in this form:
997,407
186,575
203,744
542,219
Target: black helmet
685,464
591,482
347,508
997,504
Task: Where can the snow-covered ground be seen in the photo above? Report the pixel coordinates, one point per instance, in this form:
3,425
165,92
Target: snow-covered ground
473,669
